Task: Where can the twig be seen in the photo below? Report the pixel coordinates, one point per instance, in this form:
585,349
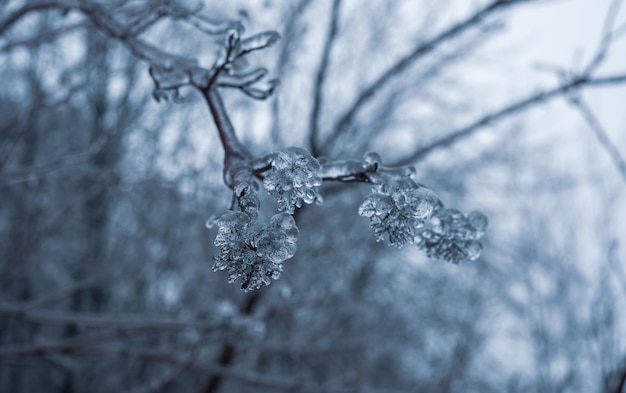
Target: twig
28,8
24,174
321,75
607,37
233,149
126,322
408,60
48,36
508,110
600,133
291,34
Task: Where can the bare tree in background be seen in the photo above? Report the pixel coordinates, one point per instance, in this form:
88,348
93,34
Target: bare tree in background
105,284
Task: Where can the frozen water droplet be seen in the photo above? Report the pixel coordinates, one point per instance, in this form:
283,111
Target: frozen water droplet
478,221
409,171
211,221
473,249
372,160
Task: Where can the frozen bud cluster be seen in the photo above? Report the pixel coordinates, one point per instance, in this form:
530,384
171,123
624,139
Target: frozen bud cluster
398,208
293,178
452,236
253,253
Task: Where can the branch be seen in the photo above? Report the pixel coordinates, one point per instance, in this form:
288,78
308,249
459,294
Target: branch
321,75
291,35
39,39
607,37
30,7
233,149
125,322
600,133
245,377
511,109
23,174
404,63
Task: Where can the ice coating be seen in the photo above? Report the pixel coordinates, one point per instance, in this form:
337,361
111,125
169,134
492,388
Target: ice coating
452,236
253,253
293,178
397,209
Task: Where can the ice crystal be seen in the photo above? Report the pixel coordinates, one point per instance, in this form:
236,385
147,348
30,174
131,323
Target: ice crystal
293,178
452,236
397,209
251,252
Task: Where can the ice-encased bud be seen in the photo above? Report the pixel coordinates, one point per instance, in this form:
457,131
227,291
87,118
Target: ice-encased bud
478,221
452,236
253,253
397,209
293,179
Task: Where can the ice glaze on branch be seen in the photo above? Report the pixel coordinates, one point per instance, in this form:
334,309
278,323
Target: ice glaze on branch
233,149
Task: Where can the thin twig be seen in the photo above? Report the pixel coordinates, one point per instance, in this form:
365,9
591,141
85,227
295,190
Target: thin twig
291,35
233,149
118,321
28,8
42,38
607,37
321,76
407,61
526,103
23,174
600,133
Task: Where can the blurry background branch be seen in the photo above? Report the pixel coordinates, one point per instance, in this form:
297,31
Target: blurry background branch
533,100
400,66
600,133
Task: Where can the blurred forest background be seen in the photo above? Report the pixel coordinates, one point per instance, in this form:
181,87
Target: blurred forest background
105,260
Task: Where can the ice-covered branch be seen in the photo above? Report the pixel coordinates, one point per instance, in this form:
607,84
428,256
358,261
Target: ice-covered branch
234,151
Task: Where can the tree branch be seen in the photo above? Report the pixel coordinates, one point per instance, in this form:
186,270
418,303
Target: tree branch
600,133
23,174
523,104
30,7
404,63
321,76
234,151
98,320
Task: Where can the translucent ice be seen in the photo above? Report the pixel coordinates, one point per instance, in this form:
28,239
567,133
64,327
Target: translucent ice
451,236
293,179
397,209
253,253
